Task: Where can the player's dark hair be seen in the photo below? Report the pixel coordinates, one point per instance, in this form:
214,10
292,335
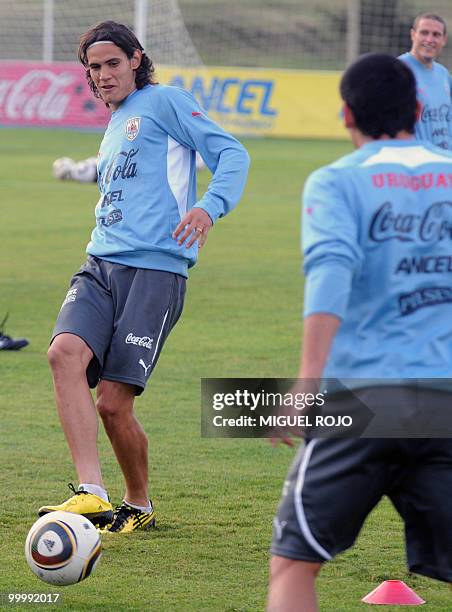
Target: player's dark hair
125,39
431,16
380,90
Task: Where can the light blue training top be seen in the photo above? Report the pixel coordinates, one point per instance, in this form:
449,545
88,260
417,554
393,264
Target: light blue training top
147,178
434,92
377,244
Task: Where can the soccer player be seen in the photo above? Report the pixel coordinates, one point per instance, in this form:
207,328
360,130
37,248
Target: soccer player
434,83
124,301
376,240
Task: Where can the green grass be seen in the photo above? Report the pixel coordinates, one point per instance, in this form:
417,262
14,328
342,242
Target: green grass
215,498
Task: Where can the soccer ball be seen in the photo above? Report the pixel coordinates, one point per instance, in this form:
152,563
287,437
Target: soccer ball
84,171
62,168
62,548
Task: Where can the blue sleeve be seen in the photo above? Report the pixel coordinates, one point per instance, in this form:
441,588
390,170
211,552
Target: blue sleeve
183,119
332,254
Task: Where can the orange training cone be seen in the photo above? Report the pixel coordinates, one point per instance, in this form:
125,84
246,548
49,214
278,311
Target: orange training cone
393,593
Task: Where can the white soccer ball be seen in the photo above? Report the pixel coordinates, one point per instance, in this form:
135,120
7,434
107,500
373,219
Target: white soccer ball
63,548
67,169
62,168
85,171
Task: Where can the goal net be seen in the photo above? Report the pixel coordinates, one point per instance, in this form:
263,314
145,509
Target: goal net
50,29
310,34
306,34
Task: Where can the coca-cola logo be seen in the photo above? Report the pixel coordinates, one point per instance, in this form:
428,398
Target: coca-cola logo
121,166
434,225
144,341
37,95
441,113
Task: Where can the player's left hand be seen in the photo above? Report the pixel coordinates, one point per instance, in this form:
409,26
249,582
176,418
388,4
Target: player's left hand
194,226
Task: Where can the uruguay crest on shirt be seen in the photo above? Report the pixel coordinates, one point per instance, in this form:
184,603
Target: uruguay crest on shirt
132,127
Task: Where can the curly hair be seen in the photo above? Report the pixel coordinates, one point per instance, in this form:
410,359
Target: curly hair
121,36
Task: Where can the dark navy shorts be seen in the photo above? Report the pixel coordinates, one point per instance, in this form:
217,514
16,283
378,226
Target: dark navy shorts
124,315
334,484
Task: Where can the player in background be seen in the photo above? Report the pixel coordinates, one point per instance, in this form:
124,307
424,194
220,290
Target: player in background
434,83
124,301
377,260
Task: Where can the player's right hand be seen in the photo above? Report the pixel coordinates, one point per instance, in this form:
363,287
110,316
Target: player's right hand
194,226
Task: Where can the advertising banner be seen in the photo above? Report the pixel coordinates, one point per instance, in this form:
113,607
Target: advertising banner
245,101
266,102
52,95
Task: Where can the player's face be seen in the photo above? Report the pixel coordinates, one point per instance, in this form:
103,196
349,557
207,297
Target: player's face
113,73
428,40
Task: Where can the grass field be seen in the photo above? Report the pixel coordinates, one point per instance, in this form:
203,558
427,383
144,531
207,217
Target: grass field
215,498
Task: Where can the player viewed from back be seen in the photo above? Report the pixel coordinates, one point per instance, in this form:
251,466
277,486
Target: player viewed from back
124,301
377,258
434,83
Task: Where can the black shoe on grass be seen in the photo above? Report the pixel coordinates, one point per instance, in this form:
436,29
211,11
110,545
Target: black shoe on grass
10,344
127,519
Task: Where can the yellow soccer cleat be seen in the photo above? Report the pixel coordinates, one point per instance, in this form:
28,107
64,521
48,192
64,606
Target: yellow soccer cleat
128,519
96,509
